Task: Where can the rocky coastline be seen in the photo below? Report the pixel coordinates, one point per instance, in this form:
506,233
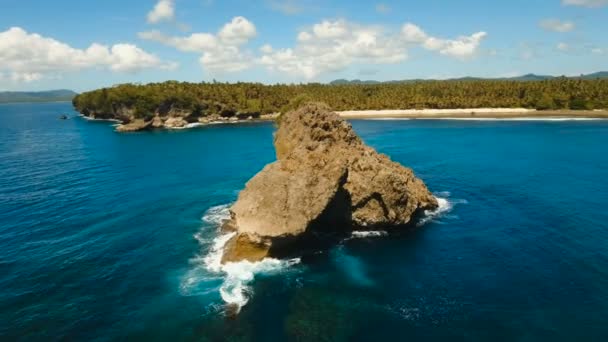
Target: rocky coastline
128,120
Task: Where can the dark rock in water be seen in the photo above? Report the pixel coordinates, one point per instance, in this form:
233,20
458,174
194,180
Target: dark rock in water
326,181
63,117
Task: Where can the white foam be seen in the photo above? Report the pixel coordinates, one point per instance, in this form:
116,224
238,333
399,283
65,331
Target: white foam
236,290
101,120
368,234
236,278
218,214
187,126
213,260
444,206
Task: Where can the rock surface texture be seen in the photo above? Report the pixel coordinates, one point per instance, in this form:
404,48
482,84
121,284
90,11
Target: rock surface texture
325,182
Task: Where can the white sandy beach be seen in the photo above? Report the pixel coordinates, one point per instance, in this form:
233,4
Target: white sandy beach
471,113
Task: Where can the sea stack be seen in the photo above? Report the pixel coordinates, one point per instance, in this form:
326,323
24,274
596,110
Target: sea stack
325,183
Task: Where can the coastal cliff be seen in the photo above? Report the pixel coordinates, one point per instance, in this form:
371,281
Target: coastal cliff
325,183
171,117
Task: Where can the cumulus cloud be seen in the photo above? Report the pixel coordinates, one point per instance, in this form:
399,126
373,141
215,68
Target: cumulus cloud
221,52
164,10
238,31
28,57
585,3
331,46
334,45
462,47
327,46
266,48
557,25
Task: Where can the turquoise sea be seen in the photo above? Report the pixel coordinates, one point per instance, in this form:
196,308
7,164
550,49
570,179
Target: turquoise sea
107,236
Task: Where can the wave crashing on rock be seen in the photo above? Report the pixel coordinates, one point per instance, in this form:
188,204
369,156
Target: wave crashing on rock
325,184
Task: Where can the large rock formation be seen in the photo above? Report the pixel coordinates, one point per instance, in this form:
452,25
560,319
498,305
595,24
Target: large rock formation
326,182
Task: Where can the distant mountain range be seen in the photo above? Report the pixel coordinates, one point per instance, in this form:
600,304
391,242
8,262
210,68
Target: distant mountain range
36,96
528,77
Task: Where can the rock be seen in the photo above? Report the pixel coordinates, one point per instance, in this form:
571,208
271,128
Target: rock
175,122
246,247
157,122
325,182
270,117
133,126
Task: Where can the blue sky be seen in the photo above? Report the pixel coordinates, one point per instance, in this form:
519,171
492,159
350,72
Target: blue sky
83,45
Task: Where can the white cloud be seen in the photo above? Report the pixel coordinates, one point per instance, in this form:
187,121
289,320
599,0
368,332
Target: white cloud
327,46
330,29
585,3
196,42
266,48
28,57
304,36
382,8
557,25
238,31
462,47
413,33
563,47
221,52
598,51
164,10
26,77
332,46
130,58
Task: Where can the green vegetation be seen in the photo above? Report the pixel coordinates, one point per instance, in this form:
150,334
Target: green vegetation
243,98
39,96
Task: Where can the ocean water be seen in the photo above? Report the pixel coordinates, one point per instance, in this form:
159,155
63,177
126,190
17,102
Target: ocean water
107,236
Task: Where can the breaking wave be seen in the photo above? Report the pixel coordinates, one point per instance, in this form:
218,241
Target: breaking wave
218,214
235,277
445,205
233,280
367,234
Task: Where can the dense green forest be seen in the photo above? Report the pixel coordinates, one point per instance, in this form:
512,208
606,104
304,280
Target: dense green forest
229,99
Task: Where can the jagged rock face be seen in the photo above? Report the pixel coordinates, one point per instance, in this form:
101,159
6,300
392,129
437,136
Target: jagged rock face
326,180
175,122
133,126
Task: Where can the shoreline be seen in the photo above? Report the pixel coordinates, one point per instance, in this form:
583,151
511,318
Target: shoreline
474,114
477,114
